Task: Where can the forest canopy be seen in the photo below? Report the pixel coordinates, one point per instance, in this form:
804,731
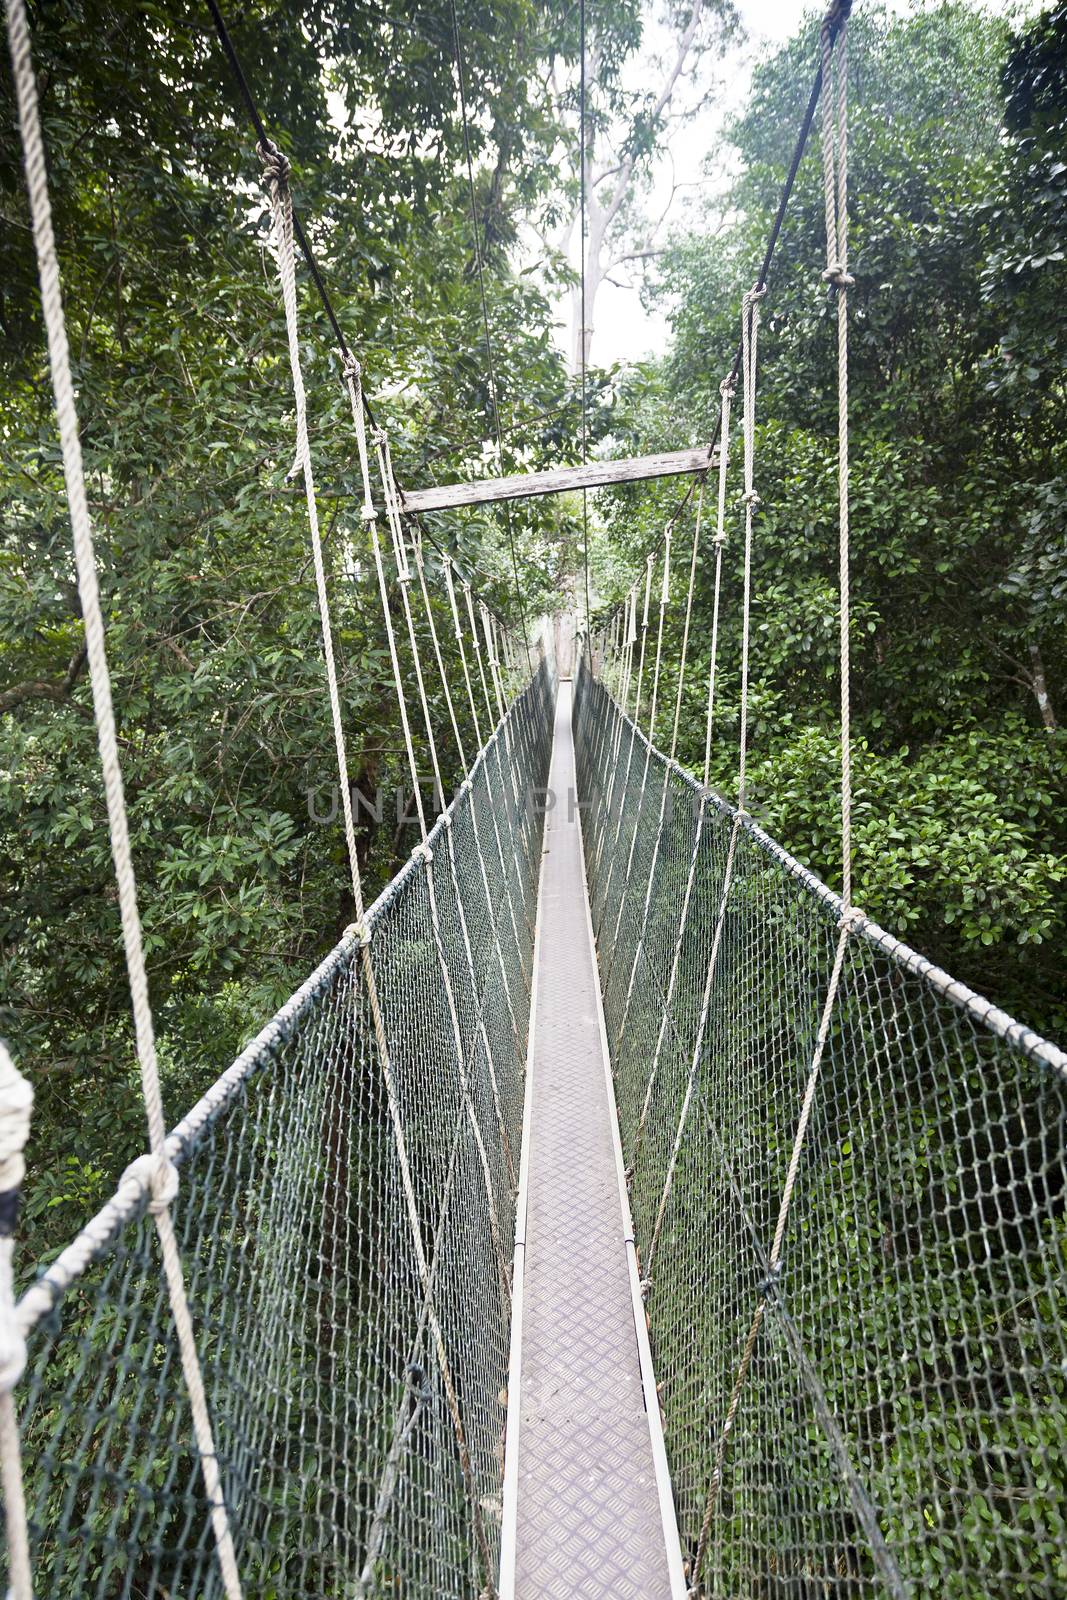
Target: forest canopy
959,183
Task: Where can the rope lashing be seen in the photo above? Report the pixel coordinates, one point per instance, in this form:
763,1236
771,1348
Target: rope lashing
107,738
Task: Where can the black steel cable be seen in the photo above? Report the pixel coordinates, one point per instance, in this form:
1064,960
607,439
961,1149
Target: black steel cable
837,14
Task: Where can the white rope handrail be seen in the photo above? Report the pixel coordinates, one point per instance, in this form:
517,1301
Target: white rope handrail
164,1177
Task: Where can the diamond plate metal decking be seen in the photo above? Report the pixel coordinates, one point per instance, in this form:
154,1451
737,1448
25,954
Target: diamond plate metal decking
590,1513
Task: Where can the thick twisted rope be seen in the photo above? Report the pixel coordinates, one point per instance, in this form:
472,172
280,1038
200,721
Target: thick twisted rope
16,1104
276,171
675,726
834,151
164,1175
726,391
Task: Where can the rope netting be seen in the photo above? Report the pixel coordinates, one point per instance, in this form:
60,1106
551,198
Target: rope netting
902,1424
359,1425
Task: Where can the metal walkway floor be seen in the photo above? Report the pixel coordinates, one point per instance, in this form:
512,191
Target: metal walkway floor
588,1510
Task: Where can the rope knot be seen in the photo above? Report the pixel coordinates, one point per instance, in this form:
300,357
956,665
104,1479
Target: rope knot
751,498
350,367
360,931
728,387
422,852
378,436
156,1176
838,276
850,920
368,513
276,166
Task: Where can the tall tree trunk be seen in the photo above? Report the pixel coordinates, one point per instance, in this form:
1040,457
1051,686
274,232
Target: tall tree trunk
1037,678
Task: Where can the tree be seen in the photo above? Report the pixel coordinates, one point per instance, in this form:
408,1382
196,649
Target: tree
646,78
184,397
957,464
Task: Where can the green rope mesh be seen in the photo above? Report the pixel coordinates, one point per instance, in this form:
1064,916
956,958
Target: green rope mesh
902,1429
341,1459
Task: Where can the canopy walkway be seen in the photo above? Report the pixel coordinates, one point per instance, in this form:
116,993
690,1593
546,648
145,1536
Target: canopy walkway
616,1210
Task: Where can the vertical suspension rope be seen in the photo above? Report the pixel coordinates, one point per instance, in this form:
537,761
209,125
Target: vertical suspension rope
582,332
276,170
16,1104
750,304
404,574
155,1170
726,393
693,854
633,738
834,50
494,392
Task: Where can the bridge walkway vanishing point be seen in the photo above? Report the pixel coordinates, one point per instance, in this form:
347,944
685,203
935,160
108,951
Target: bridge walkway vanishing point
588,1509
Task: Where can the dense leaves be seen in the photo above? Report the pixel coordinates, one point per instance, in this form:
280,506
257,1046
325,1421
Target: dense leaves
958,145
185,402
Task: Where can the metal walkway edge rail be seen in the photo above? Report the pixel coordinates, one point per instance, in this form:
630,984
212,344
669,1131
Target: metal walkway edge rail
588,1509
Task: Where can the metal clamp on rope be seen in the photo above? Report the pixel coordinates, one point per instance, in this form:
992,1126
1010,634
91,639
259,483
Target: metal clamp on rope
769,1284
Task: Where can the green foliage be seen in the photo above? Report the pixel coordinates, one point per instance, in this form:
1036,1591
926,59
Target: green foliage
185,401
958,145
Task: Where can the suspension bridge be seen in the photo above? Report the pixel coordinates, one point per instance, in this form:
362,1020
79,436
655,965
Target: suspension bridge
616,1210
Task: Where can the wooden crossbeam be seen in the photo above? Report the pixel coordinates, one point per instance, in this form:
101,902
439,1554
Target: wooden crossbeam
594,475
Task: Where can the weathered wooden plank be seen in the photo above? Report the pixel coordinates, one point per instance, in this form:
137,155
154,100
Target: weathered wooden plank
594,475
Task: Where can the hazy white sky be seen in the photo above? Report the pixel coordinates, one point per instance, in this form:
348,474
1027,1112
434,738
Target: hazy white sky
624,330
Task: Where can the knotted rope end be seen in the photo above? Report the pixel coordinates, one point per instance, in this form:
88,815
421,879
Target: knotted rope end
155,1176
276,166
